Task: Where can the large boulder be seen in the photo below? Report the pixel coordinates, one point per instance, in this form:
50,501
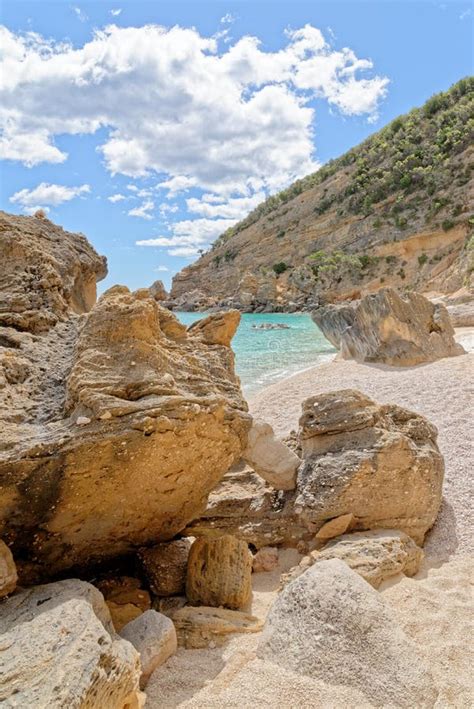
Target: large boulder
219,573
329,624
8,572
379,463
270,458
153,635
384,327
206,626
165,566
58,650
122,423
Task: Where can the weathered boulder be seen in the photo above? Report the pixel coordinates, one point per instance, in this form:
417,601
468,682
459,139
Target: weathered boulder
219,573
8,572
204,626
158,291
330,624
384,327
165,566
153,635
59,649
335,527
266,559
217,329
379,463
121,401
374,555
461,314
270,458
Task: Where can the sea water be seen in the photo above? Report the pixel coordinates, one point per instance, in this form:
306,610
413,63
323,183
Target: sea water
263,357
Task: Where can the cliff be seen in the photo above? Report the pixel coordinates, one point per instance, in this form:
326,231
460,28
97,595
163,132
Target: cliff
394,211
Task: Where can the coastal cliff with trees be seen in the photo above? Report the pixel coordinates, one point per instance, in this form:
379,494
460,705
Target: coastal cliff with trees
395,211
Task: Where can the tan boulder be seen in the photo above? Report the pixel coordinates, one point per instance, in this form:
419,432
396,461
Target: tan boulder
335,527
384,327
353,638
219,573
8,573
208,627
158,291
123,613
165,566
265,559
125,599
122,400
218,329
379,463
270,458
153,635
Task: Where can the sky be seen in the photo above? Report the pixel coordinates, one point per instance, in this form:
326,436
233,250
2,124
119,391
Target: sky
151,127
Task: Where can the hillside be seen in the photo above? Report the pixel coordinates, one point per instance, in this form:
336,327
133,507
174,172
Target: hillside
396,210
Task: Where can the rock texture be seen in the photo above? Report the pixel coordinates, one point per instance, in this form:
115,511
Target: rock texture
270,458
8,572
219,573
203,627
165,566
380,463
376,556
122,401
153,635
57,651
330,624
266,559
386,328
158,291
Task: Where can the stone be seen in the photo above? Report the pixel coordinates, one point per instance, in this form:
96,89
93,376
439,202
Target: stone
374,555
217,329
379,463
265,559
219,573
204,626
64,657
384,327
166,414
124,589
165,566
158,291
8,573
335,527
270,458
153,635
461,314
331,625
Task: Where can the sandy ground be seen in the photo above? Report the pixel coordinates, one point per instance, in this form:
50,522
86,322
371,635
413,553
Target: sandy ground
435,608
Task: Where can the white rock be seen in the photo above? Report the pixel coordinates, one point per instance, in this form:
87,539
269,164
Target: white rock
154,636
266,559
330,624
82,420
270,458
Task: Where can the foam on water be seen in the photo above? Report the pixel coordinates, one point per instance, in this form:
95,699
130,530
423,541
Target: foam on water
263,357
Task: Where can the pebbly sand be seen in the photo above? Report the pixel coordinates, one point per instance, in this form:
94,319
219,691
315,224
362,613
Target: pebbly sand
435,608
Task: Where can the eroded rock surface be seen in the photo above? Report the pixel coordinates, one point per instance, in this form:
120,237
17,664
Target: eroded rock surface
153,635
386,328
353,639
165,566
203,626
8,572
116,423
270,458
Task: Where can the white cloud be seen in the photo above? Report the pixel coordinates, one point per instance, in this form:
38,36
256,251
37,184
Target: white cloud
116,198
235,208
143,210
116,12
177,184
168,209
227,19
45,194
80,14
189,235
161,269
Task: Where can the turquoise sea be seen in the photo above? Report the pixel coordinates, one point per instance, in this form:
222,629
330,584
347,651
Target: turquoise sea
263,357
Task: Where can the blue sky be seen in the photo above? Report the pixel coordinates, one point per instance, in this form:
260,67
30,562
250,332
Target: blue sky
153,126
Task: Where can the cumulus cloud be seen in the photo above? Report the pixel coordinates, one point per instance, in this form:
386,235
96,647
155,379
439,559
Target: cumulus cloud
235,123
116,198
116,12
189,235
80,14
45,195
143,210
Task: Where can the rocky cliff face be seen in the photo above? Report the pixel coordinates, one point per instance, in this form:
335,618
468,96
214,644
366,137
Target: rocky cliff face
395,211
116,422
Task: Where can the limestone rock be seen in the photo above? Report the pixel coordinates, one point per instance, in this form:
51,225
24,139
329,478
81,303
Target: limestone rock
45,272
374,555
123,613
270,458
219,572
461,314
329,624
266,559
379,463
162,413
384,327
63,657
335,527
153,635
204,626
8,573
165,566
218,329
124,589
158,291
